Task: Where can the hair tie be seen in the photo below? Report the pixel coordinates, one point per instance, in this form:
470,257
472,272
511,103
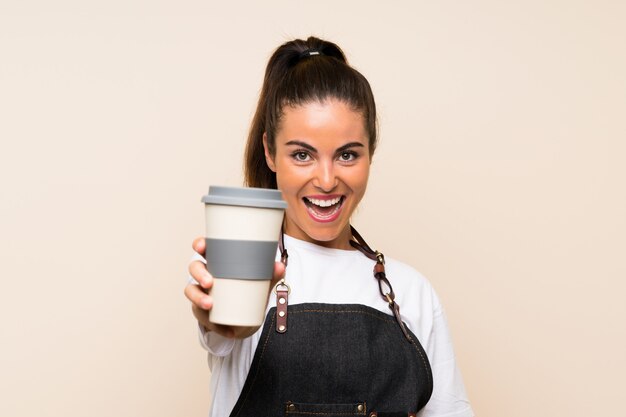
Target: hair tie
310,52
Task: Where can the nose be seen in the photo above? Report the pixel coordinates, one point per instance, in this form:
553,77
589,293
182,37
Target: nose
325,177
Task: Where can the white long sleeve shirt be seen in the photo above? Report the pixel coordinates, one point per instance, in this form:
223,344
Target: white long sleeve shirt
334,276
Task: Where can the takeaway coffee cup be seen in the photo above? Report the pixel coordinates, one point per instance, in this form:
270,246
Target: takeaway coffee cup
242,231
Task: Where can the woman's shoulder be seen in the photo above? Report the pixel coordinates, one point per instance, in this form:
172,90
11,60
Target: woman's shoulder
409,283
404,272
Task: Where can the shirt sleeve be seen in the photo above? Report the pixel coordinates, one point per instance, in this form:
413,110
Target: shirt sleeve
213,343
449,398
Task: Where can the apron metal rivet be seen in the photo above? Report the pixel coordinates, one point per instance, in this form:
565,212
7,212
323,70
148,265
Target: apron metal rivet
282,329
360,408
281,314
291,407
281,300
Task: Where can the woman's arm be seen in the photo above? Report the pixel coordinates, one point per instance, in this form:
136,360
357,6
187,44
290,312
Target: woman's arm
449,397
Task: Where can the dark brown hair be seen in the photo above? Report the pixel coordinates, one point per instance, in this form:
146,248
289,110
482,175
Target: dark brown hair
301,71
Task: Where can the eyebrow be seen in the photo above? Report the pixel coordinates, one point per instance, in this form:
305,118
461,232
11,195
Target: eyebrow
312,149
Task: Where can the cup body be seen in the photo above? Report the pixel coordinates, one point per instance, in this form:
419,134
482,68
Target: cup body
242,231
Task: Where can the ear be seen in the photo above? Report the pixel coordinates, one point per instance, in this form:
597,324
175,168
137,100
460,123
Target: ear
268,157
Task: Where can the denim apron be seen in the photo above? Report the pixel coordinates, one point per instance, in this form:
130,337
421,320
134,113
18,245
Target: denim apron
336,360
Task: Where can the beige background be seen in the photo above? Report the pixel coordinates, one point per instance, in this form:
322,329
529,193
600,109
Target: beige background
500,176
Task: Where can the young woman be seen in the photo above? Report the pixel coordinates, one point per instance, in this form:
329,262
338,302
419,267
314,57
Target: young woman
346,348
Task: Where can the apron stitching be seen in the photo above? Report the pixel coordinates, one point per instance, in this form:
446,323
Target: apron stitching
419,352
258,369
364,412
325,414
343,311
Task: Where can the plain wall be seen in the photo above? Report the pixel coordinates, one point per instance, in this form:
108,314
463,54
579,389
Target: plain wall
500,176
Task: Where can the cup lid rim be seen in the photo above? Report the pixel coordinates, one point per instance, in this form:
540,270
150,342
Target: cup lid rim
244,196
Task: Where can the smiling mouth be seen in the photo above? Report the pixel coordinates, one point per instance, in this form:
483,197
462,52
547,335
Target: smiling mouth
324,210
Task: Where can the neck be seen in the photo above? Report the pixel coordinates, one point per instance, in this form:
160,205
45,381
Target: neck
341,241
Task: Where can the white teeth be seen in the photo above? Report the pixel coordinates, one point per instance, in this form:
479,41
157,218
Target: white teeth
323,203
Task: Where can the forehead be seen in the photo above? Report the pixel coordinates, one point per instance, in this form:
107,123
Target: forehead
325,122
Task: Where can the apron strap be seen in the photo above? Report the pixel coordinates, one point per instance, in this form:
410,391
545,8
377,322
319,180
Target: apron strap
379,273
281,246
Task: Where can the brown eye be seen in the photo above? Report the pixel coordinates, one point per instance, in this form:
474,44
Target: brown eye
347,156
301,156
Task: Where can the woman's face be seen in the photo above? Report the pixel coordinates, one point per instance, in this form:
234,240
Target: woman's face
322,163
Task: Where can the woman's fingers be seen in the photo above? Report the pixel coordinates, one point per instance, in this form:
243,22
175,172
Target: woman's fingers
198,271
199,245
279,273
198,297
279,270
201,315
225,331
201,304
203,319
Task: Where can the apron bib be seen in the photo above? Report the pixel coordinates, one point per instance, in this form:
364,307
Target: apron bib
335,360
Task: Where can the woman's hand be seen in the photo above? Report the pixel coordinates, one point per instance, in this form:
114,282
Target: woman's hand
201,302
